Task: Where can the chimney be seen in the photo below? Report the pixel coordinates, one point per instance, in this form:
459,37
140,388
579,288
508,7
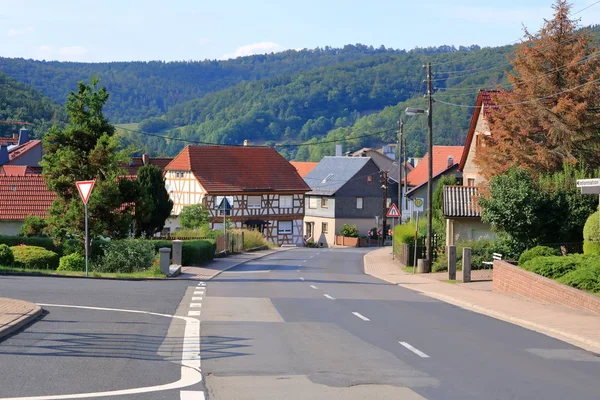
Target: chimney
145,159
338,150
450,161
4,155
23,136
246,143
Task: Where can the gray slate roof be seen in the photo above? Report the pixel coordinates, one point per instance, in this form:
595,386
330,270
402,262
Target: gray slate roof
331,173
461,202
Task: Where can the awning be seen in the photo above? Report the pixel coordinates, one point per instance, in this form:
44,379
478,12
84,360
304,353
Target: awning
256,222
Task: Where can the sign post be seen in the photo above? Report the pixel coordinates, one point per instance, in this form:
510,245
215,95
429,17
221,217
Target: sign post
85,189
393,213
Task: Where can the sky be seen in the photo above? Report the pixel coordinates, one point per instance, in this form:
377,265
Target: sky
142,30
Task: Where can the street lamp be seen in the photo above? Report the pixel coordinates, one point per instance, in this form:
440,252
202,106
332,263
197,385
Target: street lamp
415,111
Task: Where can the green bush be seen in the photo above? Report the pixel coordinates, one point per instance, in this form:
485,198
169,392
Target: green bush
538,251
72,262
253,238
349,230
586,277
553,267
44,242
591,235
34,257
404,234
33,226
194,252
6,255
126,256
481,250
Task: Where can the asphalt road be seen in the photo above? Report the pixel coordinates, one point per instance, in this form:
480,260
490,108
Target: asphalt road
308,323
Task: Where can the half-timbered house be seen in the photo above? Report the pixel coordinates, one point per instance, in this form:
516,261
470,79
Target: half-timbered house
249,187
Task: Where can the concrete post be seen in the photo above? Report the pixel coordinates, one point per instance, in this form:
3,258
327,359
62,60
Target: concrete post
451,255
177,251
421,264
165,260
466,264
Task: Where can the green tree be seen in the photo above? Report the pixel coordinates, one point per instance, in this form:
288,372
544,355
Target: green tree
33,226
87,149
437,206
154,205
194,216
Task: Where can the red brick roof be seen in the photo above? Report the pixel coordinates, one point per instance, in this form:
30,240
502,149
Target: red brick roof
8,141
16,170
136,163
484,101
303,167
441,154
21,196
227,169
24,148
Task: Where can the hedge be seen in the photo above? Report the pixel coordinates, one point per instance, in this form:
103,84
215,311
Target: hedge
537,251
34,257
126,256
194,252
44,242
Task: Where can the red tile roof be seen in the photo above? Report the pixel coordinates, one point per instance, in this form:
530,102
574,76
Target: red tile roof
484,101
16,170
24,148
303,167
231,169
441,154
136,163
21,196
8,141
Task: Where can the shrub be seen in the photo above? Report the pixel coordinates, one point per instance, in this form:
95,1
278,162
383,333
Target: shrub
481,250
404,234
194,216
44,242
6,255
34,257
591,234
33,226
126,256
253,238
553,267
194,252
72,262
349,231
586,277
538,251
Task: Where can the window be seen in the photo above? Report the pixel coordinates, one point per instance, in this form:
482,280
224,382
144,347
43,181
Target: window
370,179
285,227
254,201
470,182
388,202
324,202
359,203
312,202
286,201
324,227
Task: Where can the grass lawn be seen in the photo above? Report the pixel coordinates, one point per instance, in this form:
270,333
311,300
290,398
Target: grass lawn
134,126
409,270
149,274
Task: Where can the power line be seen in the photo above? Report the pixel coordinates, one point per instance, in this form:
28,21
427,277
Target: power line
522,102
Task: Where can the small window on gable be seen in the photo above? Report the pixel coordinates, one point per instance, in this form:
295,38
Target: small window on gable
359,203
370,179
324,227
470,182
313,202
324,202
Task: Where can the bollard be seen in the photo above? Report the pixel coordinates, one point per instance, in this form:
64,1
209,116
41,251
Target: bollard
177,250
165,260
451,254
421,263
466,264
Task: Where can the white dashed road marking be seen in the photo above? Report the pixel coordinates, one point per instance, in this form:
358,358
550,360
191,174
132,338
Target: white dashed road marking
187,395
196,298
414,350
313,286
329,297
197,305
193,313
361,316
200,293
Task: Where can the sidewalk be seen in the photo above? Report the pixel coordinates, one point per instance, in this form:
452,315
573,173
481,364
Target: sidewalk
219,265
14,314
578,328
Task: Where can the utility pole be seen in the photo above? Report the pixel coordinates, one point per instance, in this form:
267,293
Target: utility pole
384,187
400,126
429,167
405,172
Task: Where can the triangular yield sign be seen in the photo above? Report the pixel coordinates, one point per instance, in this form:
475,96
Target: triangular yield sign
393,211
85,189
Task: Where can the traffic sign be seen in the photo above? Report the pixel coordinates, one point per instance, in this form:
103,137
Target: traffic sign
588,182
379,232
390,232
85,189
393,211
419,204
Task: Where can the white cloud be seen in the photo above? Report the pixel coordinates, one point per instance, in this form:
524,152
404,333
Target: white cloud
20,31
44,52
72,53
254,48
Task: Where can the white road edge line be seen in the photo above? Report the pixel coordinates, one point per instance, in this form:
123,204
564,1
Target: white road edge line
190,360
329,297
414,350
313,286
188,395
361,316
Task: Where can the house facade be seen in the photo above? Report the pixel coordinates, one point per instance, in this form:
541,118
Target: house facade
344,190
247,187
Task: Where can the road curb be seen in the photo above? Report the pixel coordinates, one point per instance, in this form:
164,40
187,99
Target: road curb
253,259
21,322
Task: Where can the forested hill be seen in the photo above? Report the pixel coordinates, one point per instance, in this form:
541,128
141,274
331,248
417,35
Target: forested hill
19,102
145,89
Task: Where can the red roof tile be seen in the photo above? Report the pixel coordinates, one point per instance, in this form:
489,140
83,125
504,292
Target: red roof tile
8,141
227,169
24,148
21,196
441,154
16,170
303,167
